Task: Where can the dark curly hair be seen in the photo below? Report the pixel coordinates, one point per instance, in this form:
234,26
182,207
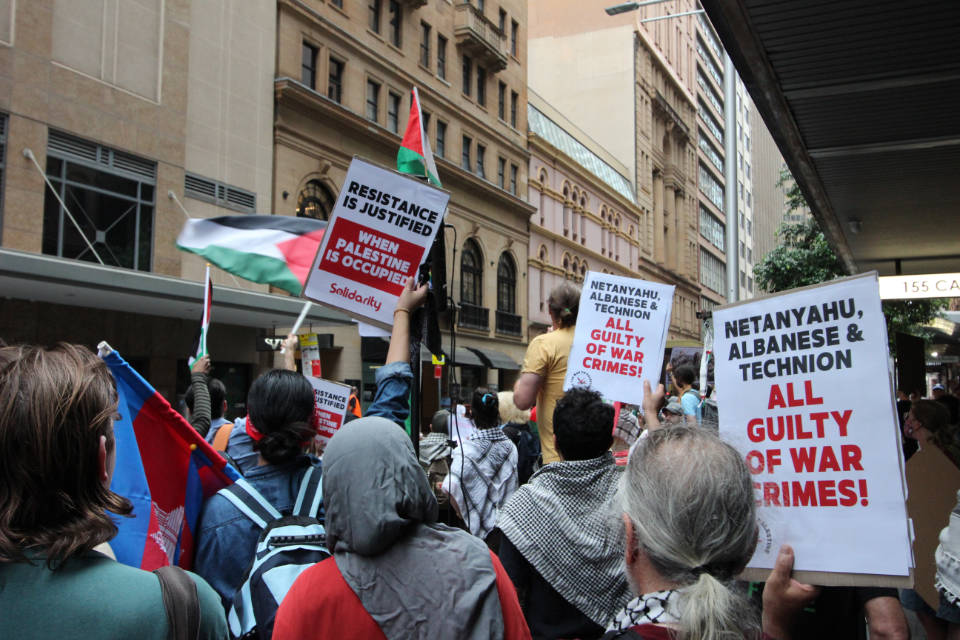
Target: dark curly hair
583,424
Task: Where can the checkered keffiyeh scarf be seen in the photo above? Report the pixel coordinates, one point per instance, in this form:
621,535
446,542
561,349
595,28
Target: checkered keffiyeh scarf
658,607
433,446
560,522
484,475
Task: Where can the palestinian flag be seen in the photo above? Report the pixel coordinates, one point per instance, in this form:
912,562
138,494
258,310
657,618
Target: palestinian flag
275,250
200,344
415,156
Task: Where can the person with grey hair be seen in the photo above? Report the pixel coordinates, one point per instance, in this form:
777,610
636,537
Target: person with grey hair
689,523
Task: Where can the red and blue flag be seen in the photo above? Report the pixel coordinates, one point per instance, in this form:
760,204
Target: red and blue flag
165,468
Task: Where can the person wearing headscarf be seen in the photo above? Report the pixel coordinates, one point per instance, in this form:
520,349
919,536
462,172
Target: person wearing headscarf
557,546
395,572
483,473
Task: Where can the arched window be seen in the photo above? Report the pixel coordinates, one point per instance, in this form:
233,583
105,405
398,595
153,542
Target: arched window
471,274
543,178
583,269
315,201
542,254
506,284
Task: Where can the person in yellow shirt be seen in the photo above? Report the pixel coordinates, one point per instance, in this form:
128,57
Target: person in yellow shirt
545,366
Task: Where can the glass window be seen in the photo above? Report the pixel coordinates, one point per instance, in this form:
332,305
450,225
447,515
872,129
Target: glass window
712,229
711,94
711,187
481,5
112,200
396,29
481,86
373,100
712,123
335,84
514,29
712,271
503,22
466,72
441,57
471,274
481,157
308,66
710,151
441,138
374,7
514,170
425,44
465,153
506,284
337,3
502,101
393,112
501,172
315,201
514,99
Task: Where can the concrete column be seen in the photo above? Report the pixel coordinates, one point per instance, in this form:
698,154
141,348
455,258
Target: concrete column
658,202
670,214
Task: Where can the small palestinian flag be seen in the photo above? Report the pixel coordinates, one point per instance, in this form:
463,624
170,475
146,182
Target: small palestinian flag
200,344
415,157
275,250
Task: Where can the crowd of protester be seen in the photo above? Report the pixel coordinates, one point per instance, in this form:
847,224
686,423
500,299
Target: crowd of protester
520,530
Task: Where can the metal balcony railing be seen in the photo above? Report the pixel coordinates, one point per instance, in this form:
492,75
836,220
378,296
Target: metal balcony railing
509,324
479,37
474,317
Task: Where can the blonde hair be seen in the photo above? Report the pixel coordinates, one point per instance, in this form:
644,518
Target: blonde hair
509,411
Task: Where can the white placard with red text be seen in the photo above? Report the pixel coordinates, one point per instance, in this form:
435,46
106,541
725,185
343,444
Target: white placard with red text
329,406
621,331
805,395
379,233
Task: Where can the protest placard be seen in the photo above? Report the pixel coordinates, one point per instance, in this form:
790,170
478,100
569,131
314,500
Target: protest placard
310,355
329,406
805,395
621,330
380,231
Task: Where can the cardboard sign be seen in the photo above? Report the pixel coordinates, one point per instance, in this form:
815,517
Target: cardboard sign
380,231
805,395
330,401
621,330
310,355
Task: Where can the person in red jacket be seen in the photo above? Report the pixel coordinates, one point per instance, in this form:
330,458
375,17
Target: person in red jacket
395,572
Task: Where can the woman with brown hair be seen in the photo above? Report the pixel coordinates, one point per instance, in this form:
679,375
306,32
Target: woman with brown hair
57,454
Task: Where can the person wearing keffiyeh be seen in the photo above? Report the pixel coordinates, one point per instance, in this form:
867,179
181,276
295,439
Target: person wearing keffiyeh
483,474
557,545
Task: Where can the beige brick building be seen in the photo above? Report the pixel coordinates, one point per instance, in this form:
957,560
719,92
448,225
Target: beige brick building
631,95
127,109
344,74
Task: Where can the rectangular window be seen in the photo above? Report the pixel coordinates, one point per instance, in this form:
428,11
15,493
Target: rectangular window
711,94
514,29
467,74
465,154
441,138
481,5
711,187
373,100
712,123
712,229
514,170
308,66
514,99
395,24
337,3
503,22
481,157
426,121
749,255
501,173
712,271
375,7
710,151
110,193
502,101
393,112
335,84
743,250
481,86
441,57
425,44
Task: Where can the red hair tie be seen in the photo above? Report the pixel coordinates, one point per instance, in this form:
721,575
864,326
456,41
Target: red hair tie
252,430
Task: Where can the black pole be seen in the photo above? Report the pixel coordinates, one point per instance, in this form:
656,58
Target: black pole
415,393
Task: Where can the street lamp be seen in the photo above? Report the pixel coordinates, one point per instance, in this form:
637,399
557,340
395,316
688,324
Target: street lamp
630,6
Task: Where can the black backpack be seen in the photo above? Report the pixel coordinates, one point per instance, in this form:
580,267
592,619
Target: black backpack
287,546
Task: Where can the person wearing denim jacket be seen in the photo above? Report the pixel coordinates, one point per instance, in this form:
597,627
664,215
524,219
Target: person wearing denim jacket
226,539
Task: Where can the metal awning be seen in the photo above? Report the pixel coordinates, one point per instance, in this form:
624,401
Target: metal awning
42,278
494,359
860,96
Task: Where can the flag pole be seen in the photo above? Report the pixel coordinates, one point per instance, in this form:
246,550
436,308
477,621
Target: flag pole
300,319
173,196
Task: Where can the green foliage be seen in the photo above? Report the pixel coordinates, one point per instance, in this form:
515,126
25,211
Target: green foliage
804,257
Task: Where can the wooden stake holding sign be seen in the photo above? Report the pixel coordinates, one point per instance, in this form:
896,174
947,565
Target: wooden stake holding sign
805,394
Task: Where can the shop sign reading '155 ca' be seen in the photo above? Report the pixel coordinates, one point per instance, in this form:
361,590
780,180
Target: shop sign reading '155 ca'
379,233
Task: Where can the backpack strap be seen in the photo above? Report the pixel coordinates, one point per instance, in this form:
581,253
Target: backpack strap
181,601
310,495
223,436
249,501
